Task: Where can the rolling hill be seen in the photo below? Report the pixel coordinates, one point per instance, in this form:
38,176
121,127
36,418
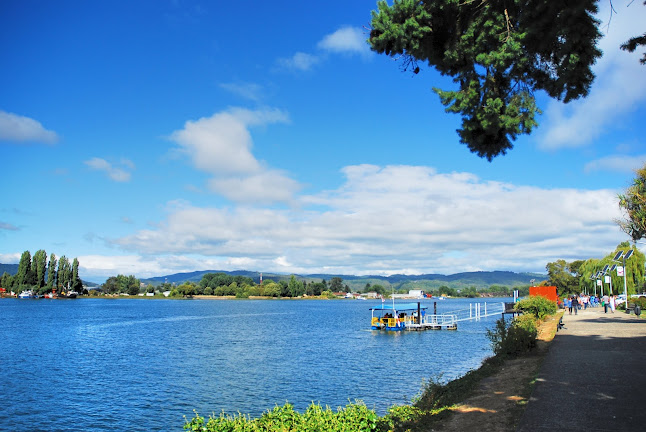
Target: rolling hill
480,279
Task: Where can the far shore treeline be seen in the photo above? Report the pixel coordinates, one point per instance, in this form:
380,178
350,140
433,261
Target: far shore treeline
42,275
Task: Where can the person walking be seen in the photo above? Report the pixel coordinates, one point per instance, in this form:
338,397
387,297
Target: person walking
575,305
613,303
604,301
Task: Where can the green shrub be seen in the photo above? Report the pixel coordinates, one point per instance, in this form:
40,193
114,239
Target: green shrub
510,339
538,306
398,417
353,417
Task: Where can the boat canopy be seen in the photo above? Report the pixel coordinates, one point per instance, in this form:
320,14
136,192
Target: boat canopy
398,306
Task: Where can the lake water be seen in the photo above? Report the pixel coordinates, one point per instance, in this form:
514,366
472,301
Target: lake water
135,364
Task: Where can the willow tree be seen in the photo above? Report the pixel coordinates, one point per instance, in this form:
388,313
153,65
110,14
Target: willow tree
499,53
633,204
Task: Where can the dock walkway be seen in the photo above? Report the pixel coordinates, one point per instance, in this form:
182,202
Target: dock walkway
593,377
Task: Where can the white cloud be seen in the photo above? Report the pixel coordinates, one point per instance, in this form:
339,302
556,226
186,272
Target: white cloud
17,128
619,87
350,40
616,163
394,219
299,62
221,145
346,40
250,91
263,188
10,258
115,173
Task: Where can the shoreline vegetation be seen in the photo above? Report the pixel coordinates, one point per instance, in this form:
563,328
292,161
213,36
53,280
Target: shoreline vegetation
496,392
225,286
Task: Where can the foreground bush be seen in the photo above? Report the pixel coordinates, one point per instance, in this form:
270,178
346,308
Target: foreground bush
511,338
538,306
353,417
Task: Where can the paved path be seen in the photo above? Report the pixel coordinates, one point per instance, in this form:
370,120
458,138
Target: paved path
593,377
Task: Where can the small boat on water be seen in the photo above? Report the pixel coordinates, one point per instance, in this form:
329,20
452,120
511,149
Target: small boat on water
27,294
409,316
396,317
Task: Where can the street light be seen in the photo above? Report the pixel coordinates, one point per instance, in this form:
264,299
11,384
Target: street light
597,277
592,278
608,274
624,256
604,272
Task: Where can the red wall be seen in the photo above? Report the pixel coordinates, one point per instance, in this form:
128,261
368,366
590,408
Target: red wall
545,291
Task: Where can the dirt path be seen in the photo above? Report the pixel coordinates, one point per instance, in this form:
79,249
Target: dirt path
500,399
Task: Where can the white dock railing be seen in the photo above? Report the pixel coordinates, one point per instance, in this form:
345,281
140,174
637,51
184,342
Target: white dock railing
435,322
441,320
479,310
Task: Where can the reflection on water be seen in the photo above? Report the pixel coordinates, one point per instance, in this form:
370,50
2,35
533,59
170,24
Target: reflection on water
130,364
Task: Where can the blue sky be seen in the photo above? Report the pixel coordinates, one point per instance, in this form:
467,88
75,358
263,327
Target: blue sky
155,137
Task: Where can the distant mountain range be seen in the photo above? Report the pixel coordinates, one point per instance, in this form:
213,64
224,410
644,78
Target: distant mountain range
480,279
12,269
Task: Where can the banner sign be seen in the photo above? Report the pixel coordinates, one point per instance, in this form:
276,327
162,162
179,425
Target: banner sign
607,279
620,271
598,282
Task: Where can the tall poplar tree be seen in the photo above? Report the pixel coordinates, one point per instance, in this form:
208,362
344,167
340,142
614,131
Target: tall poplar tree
64,273
77,285
38,267
51,272
23,275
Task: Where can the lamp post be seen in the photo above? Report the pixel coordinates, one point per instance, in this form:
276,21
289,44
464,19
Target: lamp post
598,282
624,256
604,273
608,275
